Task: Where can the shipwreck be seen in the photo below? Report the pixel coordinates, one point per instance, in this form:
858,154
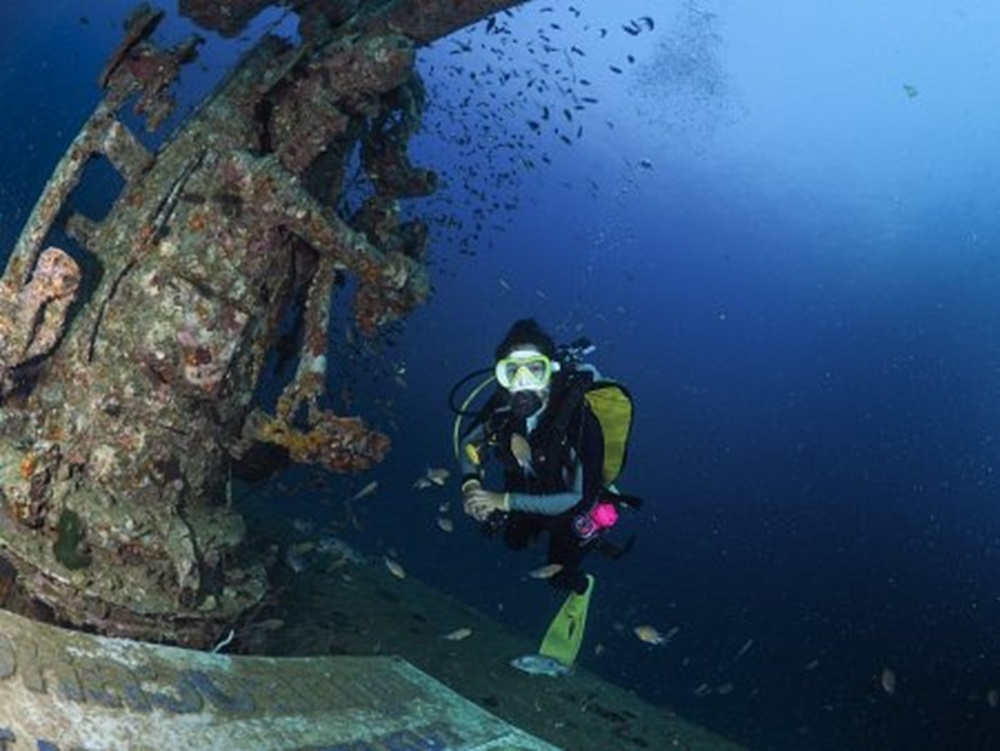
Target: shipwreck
129,359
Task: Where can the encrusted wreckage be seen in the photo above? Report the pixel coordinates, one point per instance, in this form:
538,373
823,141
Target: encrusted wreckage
128,369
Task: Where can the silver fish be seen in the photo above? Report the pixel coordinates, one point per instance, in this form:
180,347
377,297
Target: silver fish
540,665
295,560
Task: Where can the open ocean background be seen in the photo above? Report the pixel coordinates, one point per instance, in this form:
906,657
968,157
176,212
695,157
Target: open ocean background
778,223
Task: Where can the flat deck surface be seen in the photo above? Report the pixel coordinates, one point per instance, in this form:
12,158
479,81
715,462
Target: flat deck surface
360,609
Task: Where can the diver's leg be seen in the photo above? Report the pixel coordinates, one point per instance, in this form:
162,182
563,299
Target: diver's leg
566,550
565,634
520,530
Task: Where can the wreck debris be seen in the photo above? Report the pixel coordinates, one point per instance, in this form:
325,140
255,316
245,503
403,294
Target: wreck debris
228,19
124,409
32,317
139,65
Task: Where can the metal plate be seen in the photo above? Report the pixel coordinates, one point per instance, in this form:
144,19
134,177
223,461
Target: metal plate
66,690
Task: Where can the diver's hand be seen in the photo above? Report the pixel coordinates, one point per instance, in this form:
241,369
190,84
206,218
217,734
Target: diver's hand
479,503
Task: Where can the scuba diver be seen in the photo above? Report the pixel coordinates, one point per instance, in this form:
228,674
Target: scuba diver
559,432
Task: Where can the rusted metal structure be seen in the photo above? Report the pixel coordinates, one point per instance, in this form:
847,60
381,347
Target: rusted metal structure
127,373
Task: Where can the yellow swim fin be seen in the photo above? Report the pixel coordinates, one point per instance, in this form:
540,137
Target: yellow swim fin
565,635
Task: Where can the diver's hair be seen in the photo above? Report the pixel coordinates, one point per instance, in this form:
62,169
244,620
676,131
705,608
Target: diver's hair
526,331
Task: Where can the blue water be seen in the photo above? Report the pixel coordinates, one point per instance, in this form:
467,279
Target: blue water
779,228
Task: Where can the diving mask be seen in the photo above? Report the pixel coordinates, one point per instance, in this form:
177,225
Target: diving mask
525,370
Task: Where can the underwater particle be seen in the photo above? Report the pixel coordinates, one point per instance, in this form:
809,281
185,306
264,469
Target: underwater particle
69,547
395,568
911,90
993,698
888,681
457,635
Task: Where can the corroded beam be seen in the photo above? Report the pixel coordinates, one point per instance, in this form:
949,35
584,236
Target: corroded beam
427,20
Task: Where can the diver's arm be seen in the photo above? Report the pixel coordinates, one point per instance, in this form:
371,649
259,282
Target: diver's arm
478,502
552,504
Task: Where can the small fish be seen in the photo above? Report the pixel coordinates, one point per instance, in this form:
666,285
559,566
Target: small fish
743,650
438,476
395,568
294,560
445,524
546,572
521,450
650,635
540,665
432,476
993,698
458,634
367,490
888,681
271,624
334,546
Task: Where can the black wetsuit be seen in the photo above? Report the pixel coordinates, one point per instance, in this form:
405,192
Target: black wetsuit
564,480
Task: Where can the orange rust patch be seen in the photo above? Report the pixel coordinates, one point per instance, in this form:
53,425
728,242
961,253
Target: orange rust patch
28,464
196,222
